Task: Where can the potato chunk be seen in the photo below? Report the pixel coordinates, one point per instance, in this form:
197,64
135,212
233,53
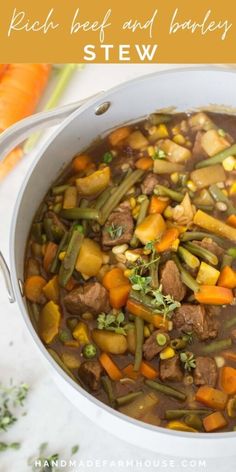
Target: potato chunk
90,258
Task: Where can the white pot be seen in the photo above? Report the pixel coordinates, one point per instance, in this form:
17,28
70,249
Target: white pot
185,89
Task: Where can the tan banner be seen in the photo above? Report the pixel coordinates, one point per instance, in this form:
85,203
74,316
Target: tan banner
171,31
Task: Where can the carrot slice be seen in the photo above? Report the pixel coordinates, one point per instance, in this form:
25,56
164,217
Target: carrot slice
119,296
148,371
81,162
119,135
144,163
212,397
231,220
33,288
167,240
146,314
157,205
227,278
129,371
212,295
50,253
110,367
228,380
114,278
214,421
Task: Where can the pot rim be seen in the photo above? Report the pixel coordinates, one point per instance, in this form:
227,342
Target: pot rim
94,102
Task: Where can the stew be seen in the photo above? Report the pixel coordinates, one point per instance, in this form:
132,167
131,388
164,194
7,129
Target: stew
130,273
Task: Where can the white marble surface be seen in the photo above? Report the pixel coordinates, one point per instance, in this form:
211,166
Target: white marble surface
50,417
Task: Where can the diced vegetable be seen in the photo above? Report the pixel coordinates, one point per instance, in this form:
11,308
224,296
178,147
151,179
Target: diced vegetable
94,183
140,406
157,205
81,333
51,289
33,288
144,163
49,322
152,228
70,198
114,278
212,295
131,339
213,143
203,178
214,225
174,152
146,314
185,276
70,259
33,267
189,259
119,135
111,342
212,397
70,360
180,426
218,345
162,166
90,258
214,421
218,158
231,221
167,240
129,372
137,140
119,295
228,380
227,278
166,390
89,351
231,408
81,162
110,367
221,198
203,198
230,355
207,275
148,371
141,216
201,121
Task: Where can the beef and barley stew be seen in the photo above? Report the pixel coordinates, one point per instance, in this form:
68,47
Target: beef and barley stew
130,272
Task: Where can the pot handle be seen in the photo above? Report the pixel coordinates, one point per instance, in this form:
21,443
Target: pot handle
21,130
7,278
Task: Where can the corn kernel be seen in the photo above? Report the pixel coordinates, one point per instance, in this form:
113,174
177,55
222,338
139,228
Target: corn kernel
179,139
188,143
128,273
175,130
174,177
62,255
175,245
132,202
146,332
135,211
162,131
229,163
191,186
167,353
151,151
233,189
170,325
131,256
168,213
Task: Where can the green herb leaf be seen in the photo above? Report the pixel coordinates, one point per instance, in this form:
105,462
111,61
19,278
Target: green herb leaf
188,360
111,322
107,157
11,398
140,283
159,154
74,449
5,446
115,231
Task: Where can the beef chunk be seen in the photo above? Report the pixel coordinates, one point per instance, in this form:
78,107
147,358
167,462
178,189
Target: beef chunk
194,318
171,281
92,297
151,348
124,388
205,372
121,222
210,245
233,335
170,369
149,183
90,374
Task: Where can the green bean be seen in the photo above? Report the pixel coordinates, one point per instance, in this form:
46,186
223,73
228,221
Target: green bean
204,207
153,271
47,225
139,325
84,204
218,158
142,213
55,263
215,346
166,389
189,259
146,300
40,212
57,207
178,343
202,253
219,196
163,191
232,252
102,199
80,214
230,323
185,276
199,235
36,232
107,385
34,312
226,261
69,261
194,421
119,193
158,118
127,398
59,189
176,414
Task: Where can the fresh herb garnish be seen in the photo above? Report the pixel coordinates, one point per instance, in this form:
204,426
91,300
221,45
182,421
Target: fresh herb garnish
4,446
45,463
10,399
139,283
115,231
107,157
188,360
112,322
159,154
165,303
221,132
188,337
74,449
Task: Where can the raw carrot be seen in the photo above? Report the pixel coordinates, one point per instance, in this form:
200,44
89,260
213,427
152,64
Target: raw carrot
129,372
49,255
81,162
119,295
114,278
10,161
227,278
212,295
135,308
110,367
228,380
157,205
148,371
230,355
21,87
144,163
214,421
167,240
212,397
33,288
119,135
231,221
